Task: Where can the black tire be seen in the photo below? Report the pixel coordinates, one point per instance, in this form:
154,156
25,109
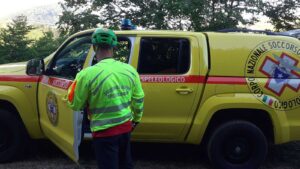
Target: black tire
237,145
12,136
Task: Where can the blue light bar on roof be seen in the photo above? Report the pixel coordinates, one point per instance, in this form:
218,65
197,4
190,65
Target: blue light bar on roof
127,25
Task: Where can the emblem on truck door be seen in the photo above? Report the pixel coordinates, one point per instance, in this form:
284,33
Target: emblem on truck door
52,108
273,74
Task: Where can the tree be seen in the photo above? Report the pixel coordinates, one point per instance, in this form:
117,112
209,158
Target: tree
14,44
284,15
75,19
220,14
45,45
194,15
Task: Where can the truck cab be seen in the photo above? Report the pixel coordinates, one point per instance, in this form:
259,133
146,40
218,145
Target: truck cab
171,75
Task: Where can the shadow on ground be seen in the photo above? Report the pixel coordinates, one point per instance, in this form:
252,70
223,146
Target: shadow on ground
44,155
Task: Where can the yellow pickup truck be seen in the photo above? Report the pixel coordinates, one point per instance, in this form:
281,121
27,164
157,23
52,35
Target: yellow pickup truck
234,92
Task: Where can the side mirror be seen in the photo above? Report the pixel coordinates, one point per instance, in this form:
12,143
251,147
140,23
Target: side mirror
35,67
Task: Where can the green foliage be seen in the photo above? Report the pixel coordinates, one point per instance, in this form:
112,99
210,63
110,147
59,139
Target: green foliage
122,51
16,46
195,15
78,21
220,14
284,15
45,45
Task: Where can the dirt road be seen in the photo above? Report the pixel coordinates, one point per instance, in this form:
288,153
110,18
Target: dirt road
45,155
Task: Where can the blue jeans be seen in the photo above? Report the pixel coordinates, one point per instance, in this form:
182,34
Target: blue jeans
113,152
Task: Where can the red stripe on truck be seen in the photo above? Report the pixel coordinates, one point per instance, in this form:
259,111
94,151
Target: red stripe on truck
64,84
19,78
192,79
227,80
56,82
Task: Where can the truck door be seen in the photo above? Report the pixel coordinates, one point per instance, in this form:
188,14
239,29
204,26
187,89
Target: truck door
59,123
170,75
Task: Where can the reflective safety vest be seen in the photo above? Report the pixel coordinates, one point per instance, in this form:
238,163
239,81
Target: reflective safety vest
113,92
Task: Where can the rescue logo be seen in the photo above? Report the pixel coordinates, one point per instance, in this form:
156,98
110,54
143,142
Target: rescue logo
52,108
273,74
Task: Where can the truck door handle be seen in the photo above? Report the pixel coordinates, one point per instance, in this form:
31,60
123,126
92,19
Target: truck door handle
184,90
64,98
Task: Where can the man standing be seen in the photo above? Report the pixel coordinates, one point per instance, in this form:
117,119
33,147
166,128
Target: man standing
113,93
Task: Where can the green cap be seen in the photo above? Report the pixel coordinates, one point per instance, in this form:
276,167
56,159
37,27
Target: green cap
103,36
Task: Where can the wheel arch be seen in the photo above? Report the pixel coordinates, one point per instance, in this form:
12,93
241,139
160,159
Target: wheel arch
258,117
15,101
226,107
8,106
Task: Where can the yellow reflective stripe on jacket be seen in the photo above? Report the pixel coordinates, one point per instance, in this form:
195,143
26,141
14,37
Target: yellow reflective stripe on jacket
102,124
115,108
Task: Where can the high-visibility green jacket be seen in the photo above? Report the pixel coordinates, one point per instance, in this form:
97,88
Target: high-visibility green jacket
112,91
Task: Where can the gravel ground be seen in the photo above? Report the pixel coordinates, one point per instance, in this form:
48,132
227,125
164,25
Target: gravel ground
44,155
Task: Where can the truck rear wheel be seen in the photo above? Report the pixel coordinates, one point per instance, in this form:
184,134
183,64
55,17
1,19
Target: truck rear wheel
237,145
12,136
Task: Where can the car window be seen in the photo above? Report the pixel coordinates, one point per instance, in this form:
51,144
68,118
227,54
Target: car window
69,61
164,56
121,51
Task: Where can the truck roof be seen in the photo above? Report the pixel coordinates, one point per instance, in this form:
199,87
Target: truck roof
244,32
143,32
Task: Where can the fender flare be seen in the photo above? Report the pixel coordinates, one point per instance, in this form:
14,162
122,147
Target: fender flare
219,102
27,111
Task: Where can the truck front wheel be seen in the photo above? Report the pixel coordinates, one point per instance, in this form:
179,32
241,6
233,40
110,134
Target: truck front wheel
12,136
237,145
